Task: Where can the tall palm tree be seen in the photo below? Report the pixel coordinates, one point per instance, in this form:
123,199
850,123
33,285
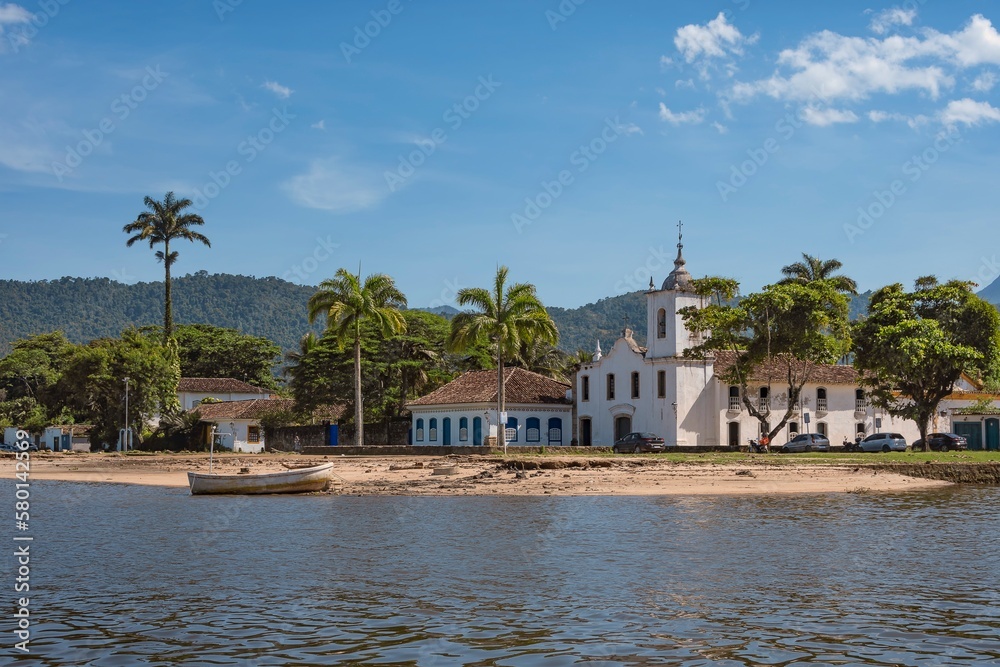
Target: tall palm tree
812,269
504,316
346,302
162,223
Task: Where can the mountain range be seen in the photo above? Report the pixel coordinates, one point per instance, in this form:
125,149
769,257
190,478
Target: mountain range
89,308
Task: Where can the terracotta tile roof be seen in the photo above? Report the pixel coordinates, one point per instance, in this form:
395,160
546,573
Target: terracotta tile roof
520,386
218,386
255,408
821,373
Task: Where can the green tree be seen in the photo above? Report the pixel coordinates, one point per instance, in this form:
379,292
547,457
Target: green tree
346,302
93,383
913,346
217,352
164,222
505,316
812,269
777,335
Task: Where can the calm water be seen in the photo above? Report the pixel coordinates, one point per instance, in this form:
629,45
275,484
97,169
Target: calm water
144,576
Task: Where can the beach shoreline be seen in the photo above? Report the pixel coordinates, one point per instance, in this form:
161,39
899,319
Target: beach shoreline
489,475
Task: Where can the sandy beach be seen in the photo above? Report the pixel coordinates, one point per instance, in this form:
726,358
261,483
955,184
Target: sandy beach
489,475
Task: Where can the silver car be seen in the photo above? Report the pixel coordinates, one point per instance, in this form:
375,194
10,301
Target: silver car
807,442
883,442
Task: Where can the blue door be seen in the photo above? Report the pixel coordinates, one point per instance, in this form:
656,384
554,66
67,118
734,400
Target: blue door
993,433
477,432
446,431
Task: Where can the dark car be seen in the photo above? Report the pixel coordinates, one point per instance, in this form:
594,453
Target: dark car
942,442
637,443
807,442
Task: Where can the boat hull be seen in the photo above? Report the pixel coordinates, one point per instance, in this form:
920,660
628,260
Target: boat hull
300,480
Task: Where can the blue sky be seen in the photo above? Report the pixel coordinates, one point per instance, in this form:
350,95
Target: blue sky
562,139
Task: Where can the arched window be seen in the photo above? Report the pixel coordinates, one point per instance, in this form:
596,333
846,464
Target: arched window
555,431
860,401
822,429
764,402
793,429
821,399
859,429
734,399
510,433
734,434
635,385
463,429
433,430
420,430
661,323
532,429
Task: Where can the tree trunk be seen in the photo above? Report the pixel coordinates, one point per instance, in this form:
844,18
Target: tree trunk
359,414
501,404
168,316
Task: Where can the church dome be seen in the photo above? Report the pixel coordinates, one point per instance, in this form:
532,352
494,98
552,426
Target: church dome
679,279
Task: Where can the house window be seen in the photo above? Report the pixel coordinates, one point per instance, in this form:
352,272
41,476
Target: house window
611,386
821,429
821,400
585,389
635,385
420,430
532,429
734,399
734,434
859,429
661,323
510,433
253,433
860,401
661,384
793,428
555,431
765,428
463,429
764,402
433,430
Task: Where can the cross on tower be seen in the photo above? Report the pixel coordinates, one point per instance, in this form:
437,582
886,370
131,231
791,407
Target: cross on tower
680,233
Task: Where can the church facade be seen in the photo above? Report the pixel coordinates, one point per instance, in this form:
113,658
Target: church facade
656,389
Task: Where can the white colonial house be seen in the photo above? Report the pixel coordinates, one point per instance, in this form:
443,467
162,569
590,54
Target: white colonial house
656,389
192,391
237,423
464,411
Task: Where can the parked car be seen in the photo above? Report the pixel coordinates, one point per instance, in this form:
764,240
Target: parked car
4,447
883,442
807,442
637,443
942,442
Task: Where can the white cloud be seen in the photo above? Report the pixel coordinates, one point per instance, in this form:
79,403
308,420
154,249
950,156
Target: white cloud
914,122
885,19
685,117
319,125
828,67
281,91
719,127
330,186
11,14
628,129
969,112
684,83
984,82
716,39
824,117
666,62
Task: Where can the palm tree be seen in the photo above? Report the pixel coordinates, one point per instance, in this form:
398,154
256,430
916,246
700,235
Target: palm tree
294,358
162,223
812,269
346,302
505,316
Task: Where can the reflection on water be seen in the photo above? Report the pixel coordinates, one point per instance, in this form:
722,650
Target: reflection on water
132,575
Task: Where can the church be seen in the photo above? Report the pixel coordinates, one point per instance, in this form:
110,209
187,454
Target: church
685,401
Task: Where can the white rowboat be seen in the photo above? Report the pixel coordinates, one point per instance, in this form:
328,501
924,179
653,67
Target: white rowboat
300,480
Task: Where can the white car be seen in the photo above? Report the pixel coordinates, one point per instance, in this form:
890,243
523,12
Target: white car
883,442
